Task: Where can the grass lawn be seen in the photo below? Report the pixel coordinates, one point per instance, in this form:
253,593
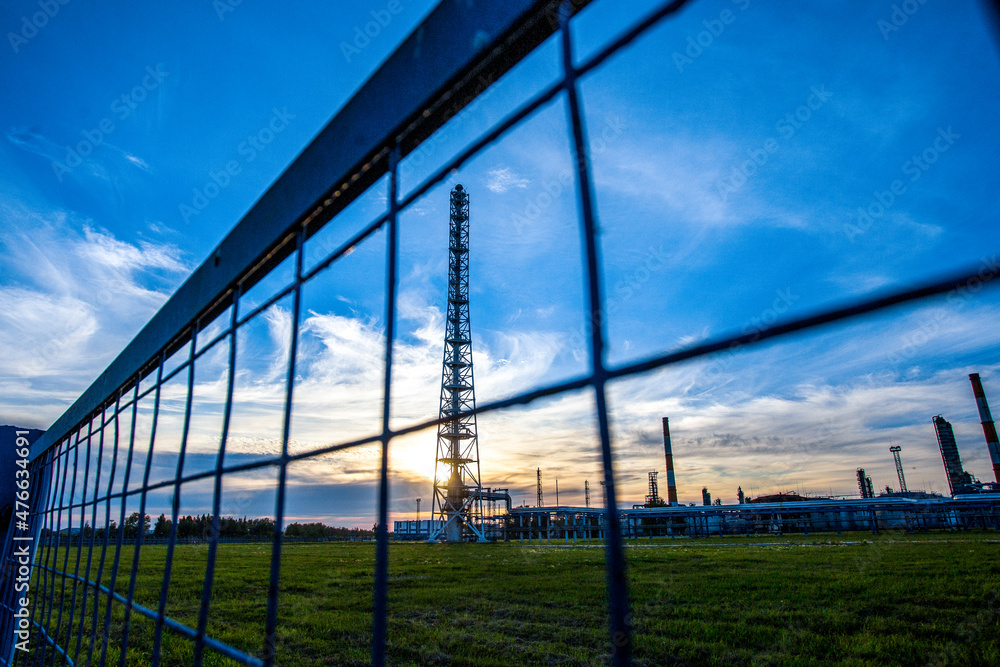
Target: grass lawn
854,599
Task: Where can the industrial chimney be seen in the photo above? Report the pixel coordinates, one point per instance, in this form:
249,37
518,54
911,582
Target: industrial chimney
989,429
671,485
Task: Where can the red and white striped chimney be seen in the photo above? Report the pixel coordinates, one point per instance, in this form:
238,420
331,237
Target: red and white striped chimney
989,429
671,485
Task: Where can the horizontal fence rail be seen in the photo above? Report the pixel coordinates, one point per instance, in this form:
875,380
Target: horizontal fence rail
83,465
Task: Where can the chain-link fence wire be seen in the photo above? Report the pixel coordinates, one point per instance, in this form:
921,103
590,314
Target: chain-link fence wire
83,599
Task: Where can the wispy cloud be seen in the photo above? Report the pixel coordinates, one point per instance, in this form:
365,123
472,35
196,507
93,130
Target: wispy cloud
75,296
105,160
503,179
135,160
34,142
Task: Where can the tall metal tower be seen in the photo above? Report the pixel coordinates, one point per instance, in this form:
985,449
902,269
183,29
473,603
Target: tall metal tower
653,497
586,492
538,488
899,467
457,510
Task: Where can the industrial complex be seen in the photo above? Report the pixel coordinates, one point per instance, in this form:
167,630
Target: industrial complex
465,510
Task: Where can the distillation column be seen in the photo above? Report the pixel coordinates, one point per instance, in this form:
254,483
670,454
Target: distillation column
958,479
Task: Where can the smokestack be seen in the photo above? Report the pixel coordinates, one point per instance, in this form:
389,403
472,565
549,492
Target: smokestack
671,485
989,429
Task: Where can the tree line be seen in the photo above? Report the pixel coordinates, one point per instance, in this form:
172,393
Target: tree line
229,527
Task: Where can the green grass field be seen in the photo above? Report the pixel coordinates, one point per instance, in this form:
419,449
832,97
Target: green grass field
854,599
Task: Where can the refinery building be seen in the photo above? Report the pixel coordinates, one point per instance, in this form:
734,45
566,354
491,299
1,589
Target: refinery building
463,509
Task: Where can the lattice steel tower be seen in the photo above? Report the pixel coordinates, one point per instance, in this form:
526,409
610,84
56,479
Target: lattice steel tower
457,511
895,449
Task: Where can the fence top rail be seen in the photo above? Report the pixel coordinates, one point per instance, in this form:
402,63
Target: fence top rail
449,59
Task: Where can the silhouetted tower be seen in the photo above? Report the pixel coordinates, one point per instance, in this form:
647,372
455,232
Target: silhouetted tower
739,494
418,513
458,506
653,497
706,497
538,488
989,428
899,467
958,479
586,492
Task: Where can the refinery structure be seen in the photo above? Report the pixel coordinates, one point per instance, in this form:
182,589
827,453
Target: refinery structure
459,497
458,507
464,510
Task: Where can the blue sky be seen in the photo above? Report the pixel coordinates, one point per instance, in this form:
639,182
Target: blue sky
750,163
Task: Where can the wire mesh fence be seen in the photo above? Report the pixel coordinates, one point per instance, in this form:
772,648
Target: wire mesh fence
130,446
